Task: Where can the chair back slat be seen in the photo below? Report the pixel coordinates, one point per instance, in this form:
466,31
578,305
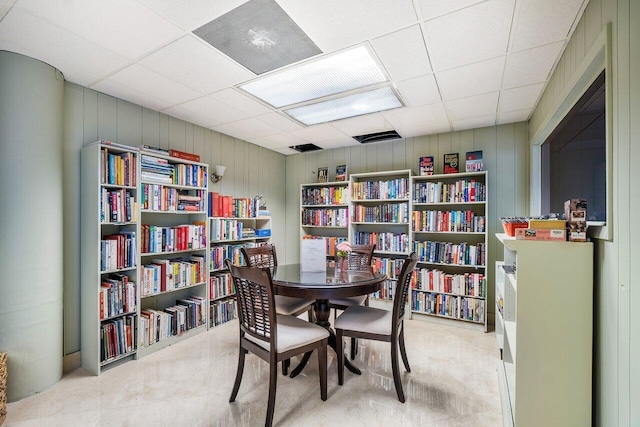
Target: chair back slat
360,256
402,287
261,256
254,296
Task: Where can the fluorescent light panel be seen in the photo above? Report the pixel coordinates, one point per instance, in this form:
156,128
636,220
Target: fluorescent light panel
330,75
358,104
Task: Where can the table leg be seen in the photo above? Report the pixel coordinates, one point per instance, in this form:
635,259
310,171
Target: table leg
322,318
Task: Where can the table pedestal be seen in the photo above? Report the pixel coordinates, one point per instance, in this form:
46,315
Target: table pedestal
322,312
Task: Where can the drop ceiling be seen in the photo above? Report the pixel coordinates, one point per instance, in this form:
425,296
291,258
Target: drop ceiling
456,64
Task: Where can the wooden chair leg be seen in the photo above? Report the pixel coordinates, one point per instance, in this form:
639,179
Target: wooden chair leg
322,367
236,385
396,369
354,348
340,354
403,350
273,379
285,366
312,316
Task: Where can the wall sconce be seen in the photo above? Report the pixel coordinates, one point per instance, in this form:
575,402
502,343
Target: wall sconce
217,175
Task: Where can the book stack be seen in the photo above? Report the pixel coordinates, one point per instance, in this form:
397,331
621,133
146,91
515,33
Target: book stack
156,169
543,229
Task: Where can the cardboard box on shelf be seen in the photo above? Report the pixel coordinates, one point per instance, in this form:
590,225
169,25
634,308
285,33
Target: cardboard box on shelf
547,224
541,234
575,210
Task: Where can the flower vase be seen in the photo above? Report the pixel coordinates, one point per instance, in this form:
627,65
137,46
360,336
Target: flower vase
341,264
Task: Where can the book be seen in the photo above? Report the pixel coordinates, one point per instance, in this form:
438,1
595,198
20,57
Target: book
473,161
184,155
341,173
163,151
426,165
323,174
451,162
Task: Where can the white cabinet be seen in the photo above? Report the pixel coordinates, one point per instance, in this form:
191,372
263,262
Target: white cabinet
545,332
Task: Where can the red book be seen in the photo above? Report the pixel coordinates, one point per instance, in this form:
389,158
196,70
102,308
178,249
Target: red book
226,206
183,155
163,273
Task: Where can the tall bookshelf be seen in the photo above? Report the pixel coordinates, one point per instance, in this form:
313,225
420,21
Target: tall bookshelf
449,234
173,250
324,213
380,210
544,326
110,257
227,236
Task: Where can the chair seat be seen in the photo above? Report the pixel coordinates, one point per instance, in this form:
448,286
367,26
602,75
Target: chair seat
293,333
290,305
349,302
365,319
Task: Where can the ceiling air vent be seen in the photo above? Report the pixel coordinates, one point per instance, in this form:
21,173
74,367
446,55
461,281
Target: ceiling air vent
303,148
377,137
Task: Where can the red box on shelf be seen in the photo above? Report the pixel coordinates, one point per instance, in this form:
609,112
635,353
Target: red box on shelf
510,227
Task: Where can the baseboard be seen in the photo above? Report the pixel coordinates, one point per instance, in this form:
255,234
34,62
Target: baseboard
70,362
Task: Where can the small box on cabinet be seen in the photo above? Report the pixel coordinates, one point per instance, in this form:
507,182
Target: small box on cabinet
575,210
264,232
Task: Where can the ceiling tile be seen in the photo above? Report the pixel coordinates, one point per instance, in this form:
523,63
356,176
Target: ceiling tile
520,98
473,106
474,79
416,116
280,121
514,116
337,143
241,102
477,122
362,125
419,91
434,8
336,24
118,90
197,64
146,81
222,112
283,140
255,127
425,129
319,133
201,117
535,25
80,61
191,14
403,53
232,131
470,35
122,26
286,151
531,66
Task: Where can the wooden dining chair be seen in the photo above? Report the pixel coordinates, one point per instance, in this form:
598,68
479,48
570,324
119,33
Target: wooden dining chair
265,256
272,337
359,257
380,325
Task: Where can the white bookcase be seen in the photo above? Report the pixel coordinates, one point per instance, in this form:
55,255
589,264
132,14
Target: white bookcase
544,329
380,213
175,231
449,234
227,235
324,212
109,264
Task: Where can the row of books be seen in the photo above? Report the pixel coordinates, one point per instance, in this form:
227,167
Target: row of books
118,251
390,242
387,292
163,275
466,284
224,206
157,197
219,253
457,307
331,242
158,325
389,266
468,190
325,196
452,253
229,229
157,239
221,285
118,168
222,311
190,175
117,337
117,206
456,221
390,189
333,217
390,212
118,296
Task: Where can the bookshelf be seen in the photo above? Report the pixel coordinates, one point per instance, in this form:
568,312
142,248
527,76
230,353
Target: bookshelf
544,327
449,234
109,260
227,236
380,213
324,213
173,246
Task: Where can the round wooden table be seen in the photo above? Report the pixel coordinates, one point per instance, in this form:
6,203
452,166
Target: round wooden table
290,281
